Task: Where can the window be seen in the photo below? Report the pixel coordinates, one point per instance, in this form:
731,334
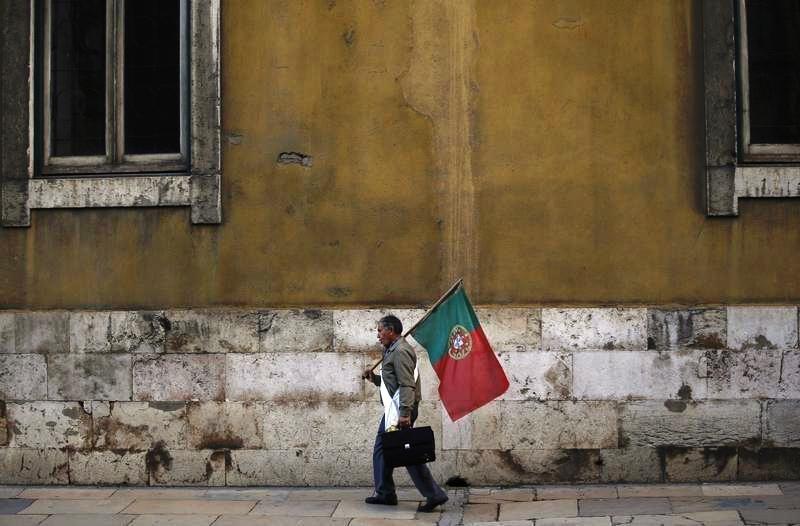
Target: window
110,103
752,112
769,58
113,86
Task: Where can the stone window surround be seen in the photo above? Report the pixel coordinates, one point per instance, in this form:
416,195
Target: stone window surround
727,178
199,188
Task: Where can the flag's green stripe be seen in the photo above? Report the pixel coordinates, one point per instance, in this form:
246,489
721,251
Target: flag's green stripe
434,333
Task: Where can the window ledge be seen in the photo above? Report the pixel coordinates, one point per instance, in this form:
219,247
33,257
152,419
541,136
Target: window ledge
726,185
199,192
767,181
93,192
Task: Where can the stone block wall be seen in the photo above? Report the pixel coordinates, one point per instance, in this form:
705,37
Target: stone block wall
274,397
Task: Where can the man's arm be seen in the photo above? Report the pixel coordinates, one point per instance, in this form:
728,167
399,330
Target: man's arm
405,363
372,377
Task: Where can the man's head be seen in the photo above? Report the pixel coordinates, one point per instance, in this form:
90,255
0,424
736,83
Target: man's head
389,329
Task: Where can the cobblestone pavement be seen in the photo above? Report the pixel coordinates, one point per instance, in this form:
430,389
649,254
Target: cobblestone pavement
581,505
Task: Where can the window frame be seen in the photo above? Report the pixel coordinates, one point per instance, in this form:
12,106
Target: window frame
730,174
197,185
115,160
767,152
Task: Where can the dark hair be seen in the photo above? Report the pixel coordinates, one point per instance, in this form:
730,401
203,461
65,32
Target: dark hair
392,322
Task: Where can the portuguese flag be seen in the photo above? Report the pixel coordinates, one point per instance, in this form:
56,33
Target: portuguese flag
470,376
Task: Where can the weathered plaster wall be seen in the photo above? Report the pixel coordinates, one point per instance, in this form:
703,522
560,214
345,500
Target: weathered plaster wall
274,397
549,152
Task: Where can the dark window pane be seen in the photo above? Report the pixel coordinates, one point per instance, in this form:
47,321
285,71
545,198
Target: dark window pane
78,77
152,76
773,42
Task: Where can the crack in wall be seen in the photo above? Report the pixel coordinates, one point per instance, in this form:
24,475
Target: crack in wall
439,84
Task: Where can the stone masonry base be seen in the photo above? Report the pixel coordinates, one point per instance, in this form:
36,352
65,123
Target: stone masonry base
274,397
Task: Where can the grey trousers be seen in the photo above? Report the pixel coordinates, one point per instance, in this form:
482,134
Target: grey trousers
382,474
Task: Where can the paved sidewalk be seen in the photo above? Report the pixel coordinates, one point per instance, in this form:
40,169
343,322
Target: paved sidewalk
594,505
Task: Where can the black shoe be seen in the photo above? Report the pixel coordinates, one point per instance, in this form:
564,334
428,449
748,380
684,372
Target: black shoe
387,501
430,504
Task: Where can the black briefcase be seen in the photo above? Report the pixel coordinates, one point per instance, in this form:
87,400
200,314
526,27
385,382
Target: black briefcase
408,446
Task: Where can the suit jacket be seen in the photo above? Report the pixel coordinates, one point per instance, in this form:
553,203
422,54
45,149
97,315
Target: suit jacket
397,371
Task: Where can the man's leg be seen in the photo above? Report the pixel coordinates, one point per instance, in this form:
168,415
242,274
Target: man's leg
382,474
423,480
377,459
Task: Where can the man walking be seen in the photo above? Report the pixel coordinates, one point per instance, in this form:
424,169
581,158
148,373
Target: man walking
399,374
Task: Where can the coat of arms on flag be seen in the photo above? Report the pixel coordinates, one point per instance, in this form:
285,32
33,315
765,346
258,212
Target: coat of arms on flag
470,375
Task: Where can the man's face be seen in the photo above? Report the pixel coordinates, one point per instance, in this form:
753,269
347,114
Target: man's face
385,335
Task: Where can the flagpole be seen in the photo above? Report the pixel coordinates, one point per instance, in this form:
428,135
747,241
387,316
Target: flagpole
458,283
438,302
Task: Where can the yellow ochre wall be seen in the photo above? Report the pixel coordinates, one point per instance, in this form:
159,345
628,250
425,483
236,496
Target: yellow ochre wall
551,152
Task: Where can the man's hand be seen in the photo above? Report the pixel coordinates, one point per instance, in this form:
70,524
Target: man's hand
368,375
404,421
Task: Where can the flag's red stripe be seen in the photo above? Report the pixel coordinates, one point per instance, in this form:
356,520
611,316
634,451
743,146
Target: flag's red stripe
474,381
